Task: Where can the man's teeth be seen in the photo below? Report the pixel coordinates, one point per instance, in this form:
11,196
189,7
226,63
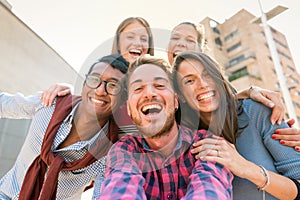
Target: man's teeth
97,101
206,96
149,107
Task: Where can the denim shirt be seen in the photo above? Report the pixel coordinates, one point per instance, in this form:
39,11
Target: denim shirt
256,145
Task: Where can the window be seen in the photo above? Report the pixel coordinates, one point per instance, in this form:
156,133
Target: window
216,30
294,80
280,43
290,68
231,35
236,60
283,54
296,105
234,47
238,74
218,41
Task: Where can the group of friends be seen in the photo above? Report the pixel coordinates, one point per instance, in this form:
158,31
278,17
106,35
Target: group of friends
188,133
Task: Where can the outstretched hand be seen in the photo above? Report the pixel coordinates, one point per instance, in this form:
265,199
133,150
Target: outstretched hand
58,89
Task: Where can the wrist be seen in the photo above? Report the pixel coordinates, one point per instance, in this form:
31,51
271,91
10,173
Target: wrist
251,88
265,173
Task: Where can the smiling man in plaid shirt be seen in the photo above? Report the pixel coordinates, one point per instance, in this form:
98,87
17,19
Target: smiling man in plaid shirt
156,163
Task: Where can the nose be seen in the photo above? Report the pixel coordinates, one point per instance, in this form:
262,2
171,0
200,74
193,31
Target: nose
181,42
100,90
137,41
202,83
149,92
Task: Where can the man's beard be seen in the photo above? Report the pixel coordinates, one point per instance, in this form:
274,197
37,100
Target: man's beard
150,131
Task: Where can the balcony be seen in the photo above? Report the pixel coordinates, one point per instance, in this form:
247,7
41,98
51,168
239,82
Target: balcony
239,62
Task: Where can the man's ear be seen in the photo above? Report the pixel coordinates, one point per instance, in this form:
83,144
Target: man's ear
128,110
176,103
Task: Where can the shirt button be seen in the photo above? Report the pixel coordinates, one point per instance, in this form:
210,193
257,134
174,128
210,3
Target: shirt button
170,196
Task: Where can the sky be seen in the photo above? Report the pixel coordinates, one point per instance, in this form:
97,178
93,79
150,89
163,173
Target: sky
75,28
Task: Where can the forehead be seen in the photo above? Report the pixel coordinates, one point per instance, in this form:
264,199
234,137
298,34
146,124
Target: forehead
148,72
106,70
135,27
190,66
185,29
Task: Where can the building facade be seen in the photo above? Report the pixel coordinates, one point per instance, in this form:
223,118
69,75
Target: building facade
28,64
241,47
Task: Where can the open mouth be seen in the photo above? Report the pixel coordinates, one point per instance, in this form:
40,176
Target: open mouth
135,52
176,53
151,109
206,96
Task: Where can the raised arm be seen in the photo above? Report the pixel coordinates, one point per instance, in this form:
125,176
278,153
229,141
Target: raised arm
18,106
209,181
123,179
269,98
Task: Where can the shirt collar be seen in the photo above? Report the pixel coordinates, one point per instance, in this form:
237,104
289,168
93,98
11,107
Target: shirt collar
186,136
88,144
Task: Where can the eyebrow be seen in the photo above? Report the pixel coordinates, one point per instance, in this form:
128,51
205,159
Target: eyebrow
186,76
155,79
110,78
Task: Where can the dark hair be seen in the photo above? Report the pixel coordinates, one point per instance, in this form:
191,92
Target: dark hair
115,60
124,24
224,120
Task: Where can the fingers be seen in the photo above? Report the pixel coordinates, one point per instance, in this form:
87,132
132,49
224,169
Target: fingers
210,146
46,96
64,92
272,100
278,111
277,115
288,137
204,150
213,141
60,89
290,122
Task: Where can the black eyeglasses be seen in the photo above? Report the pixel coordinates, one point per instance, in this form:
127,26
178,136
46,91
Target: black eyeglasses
94,81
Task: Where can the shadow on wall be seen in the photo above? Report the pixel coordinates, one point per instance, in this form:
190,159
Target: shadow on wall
12,135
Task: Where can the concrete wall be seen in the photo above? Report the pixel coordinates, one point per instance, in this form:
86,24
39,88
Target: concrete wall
27,65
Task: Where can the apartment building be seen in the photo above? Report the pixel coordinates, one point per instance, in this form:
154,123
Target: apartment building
241,47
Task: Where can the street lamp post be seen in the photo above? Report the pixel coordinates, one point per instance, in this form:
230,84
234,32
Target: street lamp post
274,54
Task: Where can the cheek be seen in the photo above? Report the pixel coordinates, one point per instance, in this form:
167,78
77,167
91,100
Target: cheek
171,45
191,47
145,47
122,43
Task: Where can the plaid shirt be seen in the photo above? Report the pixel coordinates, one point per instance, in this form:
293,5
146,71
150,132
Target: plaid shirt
134,171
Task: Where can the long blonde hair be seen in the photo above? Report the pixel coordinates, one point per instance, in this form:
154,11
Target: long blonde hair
123,25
